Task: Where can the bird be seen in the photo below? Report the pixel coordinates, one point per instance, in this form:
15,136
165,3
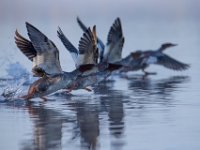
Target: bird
40,50
142,59
46,64
112,51
99,72
137,60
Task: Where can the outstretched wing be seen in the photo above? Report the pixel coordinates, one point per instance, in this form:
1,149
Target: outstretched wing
81,24
88,52
171,63
25,46
47,52
115,42
100,44
68,45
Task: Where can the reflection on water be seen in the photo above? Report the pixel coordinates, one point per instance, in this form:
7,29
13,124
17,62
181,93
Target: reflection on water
161,90
47,128
87,124
83,118
112,104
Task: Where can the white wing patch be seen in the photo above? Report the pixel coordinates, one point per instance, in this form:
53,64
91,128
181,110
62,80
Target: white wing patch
151,60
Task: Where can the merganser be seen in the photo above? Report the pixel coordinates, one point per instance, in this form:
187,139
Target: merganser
135,60
142,59
46,64
112,52
40,50
91,77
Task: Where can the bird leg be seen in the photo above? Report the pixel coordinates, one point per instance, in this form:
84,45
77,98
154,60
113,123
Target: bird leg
30,94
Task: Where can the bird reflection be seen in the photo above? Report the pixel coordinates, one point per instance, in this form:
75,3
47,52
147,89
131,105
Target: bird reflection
47,128
88,115
157,90
112,102
87,124
48,123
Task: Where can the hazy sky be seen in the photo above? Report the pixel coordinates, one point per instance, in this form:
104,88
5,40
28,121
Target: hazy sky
19,10
146,23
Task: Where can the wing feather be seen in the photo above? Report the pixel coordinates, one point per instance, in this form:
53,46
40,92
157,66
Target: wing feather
68,45
81,24
171,63
87,48
100,44
25,46
47,52
115,42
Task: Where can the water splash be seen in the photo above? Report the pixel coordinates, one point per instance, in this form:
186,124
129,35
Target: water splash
16,71
17,77
13,89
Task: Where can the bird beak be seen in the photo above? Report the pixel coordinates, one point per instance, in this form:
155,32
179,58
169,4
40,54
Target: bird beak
174,44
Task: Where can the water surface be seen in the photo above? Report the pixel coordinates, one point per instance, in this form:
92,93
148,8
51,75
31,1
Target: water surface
123,113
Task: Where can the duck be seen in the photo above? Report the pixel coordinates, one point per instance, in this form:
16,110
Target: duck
40,50
112,51
98,73
137,60
46,64
140,60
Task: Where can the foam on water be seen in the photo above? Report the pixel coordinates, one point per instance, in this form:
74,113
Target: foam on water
17,77
16,71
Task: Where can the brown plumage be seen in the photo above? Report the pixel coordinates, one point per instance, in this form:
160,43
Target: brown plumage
40,50
25,46
87,52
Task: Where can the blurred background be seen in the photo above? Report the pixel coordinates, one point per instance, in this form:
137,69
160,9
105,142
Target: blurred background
159,112
146,24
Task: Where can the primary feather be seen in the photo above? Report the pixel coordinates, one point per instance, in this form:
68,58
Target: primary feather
68,45
47,52
115,42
